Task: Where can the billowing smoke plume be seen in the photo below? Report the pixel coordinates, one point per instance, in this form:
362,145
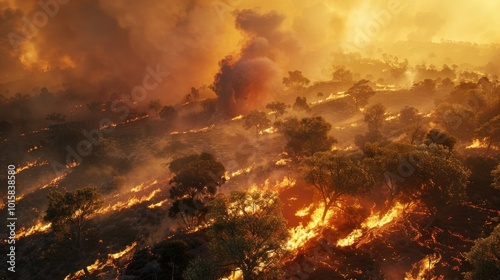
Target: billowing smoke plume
245,82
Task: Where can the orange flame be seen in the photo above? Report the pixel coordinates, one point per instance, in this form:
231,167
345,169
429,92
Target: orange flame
301,234
424,268
39,227
128,203
55,180
31,164
159,204
373,221
99,265
238,172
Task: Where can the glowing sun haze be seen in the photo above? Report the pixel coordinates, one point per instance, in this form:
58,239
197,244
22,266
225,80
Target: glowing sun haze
109,42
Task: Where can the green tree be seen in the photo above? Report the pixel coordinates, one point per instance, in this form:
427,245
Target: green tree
277,108
155,105
440,137
437,178
95,107
375,116
361,92
201,269
384,164
301,105
295,79
56,117
305,136
409,115
174,258
485,257
426,86
248,233
69,214
415,132
256,119
335,177
168,113
491,131
496,177
197,178
341,75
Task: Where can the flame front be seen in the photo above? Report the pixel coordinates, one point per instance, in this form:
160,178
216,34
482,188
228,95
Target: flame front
39,227
128,203
424,268
31,164
100,265
373,221
301,234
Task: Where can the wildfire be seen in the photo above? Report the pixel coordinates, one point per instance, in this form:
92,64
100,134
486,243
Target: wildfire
55,180
205,129
240,117
128,203
301,234
282,162
127,249
39,227
278,186
268,130
424,268
72,164
390,118
480,144
304,211
159,204
100,265
34,148
31,164
338,95
143,186
238,172
373,221
136,119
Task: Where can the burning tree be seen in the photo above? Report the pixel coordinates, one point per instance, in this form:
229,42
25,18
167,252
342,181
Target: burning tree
197,178
257,119
69,214
335,176
248,233
306,136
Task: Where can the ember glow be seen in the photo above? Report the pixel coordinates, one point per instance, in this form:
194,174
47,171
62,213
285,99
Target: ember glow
31,164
